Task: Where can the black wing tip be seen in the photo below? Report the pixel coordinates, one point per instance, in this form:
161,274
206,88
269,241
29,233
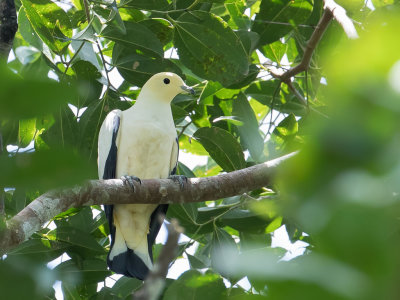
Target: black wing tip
128,264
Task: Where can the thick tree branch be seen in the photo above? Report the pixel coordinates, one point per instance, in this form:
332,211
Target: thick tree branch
155,281
8,27
113,191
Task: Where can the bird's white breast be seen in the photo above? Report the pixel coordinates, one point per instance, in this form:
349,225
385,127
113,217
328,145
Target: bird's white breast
145,148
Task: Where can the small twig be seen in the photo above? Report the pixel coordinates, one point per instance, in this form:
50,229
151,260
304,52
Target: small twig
68,64
310,47
183,129
155,281
104,65
87,11
297,93
193,5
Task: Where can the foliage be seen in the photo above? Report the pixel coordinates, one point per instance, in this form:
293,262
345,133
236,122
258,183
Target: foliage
341,189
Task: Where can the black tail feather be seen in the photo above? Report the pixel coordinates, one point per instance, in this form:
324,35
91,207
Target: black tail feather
128,264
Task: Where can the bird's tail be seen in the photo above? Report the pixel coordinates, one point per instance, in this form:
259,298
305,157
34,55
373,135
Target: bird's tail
133,263
129,264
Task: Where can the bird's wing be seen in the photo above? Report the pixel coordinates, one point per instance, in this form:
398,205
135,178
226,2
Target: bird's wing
161,210
107,145
107,159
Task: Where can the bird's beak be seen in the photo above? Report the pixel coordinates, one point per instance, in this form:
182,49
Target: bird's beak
187,89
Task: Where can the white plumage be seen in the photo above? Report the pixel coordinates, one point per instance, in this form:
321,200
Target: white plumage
146,147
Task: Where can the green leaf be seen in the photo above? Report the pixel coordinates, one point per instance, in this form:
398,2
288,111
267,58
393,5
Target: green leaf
137,37
278,18
215,88
287,128
161,28
27,55
222,147
91,271
264,91
209,48
178,113
250,135
275,51
38,250
27,98
26,131
125,286
26,30
238,18
50,22
196,286
78,238
138,68
195,262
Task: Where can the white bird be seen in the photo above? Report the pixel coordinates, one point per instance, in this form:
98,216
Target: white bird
140,141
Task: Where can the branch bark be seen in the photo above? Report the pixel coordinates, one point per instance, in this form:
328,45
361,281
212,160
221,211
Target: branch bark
150,191
155,281
8,27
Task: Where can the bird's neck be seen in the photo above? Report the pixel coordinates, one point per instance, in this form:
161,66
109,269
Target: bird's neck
150,108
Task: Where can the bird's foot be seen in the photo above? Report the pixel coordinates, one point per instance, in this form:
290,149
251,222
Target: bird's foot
129,180
181,179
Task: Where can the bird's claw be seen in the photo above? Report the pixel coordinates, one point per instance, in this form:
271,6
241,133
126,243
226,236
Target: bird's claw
127,179
181,179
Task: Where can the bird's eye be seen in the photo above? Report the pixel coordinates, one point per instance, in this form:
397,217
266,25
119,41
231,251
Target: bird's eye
166,80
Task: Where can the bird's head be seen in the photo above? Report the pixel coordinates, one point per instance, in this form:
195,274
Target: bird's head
165,86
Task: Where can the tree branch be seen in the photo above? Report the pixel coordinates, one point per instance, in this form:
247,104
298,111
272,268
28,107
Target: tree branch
331,10
150,191
8,27
310,47
155,281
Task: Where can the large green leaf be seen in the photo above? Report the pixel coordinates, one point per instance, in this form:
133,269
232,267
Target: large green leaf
222,147
277,18
90,271
26,30
26,131
196,286
125,286
50,22
26,98
39,250
137,37
209,48
250,135
161,28
137,68
78,238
